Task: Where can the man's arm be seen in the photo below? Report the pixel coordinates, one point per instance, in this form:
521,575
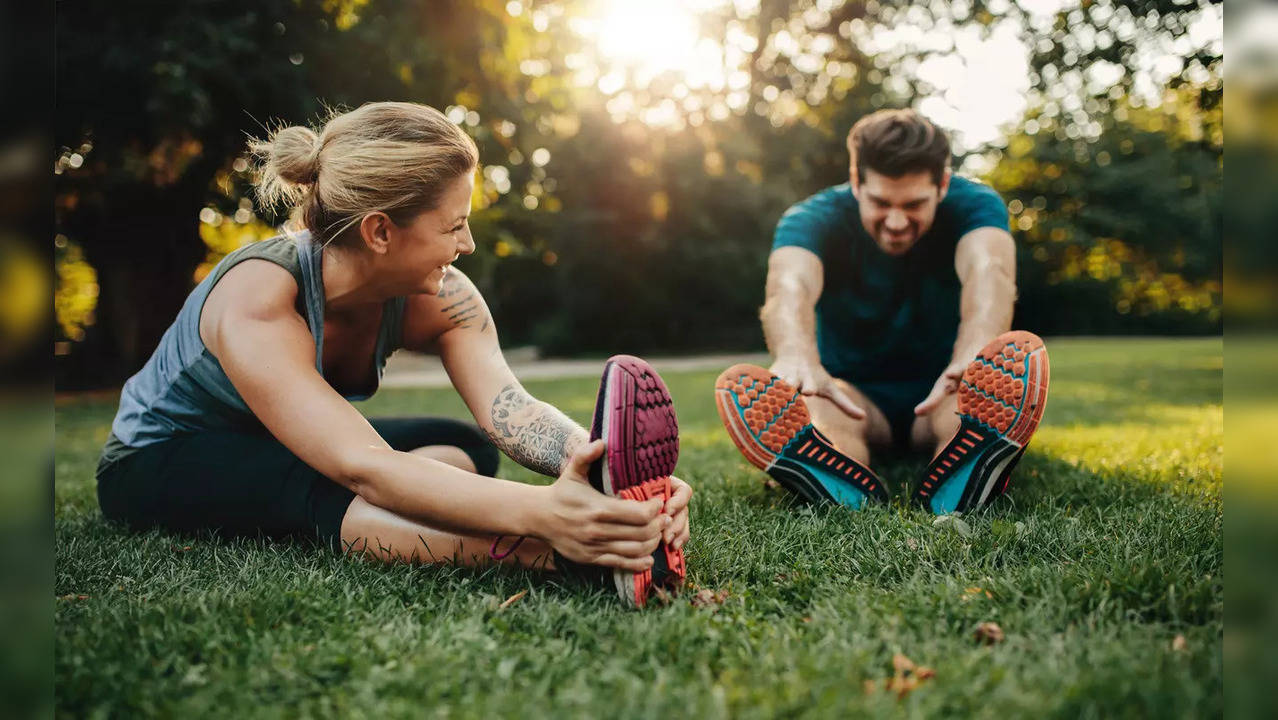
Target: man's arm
459,325
985,261
795,281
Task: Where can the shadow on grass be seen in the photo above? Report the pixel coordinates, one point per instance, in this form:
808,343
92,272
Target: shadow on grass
1040,482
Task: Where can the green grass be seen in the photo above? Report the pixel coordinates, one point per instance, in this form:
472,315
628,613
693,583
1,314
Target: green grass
1107,548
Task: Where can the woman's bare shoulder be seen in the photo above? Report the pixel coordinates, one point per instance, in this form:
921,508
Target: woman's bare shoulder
458,306
254,289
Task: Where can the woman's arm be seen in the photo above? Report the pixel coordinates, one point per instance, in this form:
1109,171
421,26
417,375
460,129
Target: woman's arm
250,325
538,436
458,324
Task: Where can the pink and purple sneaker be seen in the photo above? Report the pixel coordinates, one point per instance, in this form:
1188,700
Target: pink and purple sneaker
635,416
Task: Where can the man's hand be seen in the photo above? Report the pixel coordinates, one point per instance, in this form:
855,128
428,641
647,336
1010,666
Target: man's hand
945,386
811,379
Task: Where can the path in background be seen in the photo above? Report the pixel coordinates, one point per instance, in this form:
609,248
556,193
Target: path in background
414,370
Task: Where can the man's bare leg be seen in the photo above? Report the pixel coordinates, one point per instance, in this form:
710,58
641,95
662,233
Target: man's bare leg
851,437
933,431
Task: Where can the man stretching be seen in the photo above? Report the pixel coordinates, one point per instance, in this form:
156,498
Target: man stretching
888,303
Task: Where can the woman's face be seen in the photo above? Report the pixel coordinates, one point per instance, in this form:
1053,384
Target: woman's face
425,248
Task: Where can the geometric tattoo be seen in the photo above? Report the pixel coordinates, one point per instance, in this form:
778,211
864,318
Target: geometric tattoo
532,433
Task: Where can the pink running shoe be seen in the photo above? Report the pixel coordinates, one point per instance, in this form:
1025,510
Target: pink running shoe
635,416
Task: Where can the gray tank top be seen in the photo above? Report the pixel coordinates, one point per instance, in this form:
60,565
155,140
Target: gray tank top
182,389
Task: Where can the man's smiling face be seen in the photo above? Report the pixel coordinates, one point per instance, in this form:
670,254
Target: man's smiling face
897,211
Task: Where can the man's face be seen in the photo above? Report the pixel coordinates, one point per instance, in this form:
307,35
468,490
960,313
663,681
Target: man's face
897,211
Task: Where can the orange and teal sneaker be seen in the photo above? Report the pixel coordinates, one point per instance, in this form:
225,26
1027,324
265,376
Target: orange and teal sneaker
770,424
1001,398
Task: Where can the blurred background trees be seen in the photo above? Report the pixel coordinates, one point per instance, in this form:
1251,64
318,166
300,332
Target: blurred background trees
636,155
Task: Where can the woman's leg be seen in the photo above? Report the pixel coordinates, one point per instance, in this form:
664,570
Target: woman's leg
234,483
460,444
250,484
448,455
382,535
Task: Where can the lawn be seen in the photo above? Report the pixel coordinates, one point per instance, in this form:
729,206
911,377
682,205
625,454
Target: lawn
1103,568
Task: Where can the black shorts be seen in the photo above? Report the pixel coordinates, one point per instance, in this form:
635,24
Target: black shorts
897,399
241,483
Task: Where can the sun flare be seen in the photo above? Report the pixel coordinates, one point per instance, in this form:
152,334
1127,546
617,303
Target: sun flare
655,37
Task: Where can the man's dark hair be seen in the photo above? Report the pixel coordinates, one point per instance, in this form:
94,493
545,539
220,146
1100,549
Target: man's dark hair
896,143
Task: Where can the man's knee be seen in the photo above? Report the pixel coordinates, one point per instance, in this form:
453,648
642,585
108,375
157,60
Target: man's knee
831,420
938,426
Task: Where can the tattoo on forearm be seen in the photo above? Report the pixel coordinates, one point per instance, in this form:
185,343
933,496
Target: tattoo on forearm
532,433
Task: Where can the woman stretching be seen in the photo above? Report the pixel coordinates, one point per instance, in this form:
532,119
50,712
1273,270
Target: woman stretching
241,420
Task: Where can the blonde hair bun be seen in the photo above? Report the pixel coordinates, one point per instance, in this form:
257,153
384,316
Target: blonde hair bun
295,152
390,157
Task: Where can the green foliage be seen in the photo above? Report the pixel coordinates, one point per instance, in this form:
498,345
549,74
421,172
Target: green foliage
601,225
1123,230
1108,547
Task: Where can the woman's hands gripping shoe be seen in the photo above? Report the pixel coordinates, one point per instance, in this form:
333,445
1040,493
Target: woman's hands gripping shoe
586,526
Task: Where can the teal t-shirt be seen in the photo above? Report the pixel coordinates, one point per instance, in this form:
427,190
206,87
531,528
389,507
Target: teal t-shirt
881,317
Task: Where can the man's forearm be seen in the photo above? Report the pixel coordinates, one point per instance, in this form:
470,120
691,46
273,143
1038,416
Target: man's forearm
986,310
533,433
789,326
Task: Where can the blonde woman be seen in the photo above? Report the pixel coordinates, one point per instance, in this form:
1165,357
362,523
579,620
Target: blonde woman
241,421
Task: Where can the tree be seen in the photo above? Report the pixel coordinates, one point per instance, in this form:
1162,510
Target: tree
1120,232
156,100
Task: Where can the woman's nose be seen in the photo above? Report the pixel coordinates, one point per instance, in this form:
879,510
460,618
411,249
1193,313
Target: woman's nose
467,245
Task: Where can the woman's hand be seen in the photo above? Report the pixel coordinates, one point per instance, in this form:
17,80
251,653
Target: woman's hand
677,508
586,526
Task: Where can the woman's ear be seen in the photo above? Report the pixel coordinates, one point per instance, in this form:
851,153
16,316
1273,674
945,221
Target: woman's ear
375,231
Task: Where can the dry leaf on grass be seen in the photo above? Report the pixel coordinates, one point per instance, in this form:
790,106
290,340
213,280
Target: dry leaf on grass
906,677
512,600
705,597
771,484
1178,643
988,633
975,592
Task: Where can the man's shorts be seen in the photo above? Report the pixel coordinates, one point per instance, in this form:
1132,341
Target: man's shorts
897,399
